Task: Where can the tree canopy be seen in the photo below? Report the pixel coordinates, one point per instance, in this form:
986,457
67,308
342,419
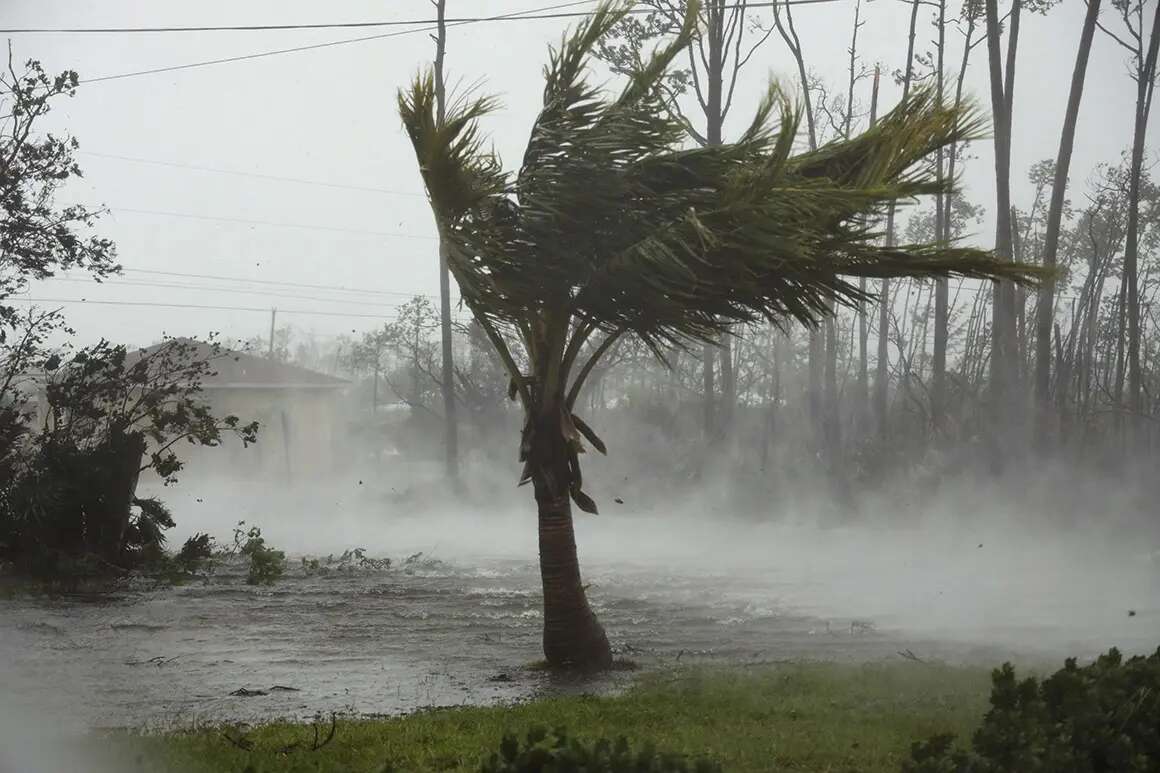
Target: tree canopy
613,221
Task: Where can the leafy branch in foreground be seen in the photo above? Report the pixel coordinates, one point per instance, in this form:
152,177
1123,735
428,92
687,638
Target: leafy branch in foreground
1103,716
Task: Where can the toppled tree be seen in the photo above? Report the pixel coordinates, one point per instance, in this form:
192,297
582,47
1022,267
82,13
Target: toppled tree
612,228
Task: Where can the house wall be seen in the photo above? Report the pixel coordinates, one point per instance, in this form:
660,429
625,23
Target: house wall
298,435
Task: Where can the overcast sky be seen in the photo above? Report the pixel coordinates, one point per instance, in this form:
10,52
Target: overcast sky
328,115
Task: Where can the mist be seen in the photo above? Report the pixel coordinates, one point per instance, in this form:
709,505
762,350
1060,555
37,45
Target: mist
1049,564
328,391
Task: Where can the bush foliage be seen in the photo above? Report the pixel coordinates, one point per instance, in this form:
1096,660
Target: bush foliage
266,564
1101,717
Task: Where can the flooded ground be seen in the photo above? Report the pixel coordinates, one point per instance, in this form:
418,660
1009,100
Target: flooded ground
460,623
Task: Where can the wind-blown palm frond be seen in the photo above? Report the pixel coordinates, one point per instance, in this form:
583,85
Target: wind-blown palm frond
610,217
612,223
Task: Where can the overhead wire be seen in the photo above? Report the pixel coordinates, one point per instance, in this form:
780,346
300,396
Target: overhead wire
528,15
159,304
301,285
235,290
313,46
206,307
245,221
257,175
545,13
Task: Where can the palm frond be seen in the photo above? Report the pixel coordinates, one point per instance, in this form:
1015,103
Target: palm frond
610,219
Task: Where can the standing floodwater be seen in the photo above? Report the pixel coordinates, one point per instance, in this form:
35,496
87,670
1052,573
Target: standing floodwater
458,624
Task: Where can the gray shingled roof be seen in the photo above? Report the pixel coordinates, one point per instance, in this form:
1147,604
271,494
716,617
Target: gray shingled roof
238,370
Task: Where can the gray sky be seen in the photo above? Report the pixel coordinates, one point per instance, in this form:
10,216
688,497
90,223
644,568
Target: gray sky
329,115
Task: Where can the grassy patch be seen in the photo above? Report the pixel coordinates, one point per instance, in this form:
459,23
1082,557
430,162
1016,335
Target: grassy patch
798,717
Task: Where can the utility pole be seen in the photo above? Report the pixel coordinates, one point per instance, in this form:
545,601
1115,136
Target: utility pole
270,350
450,429
862,398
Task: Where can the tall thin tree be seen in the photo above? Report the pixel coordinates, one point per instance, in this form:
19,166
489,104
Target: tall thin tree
1143,63
861,399
1045,311
784,24
942,233
1003,310
833,413
882,375
716,56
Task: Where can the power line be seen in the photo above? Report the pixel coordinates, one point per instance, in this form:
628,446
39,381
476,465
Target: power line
244,221
157,304
257,175
531,15
312,47
202,288
275,282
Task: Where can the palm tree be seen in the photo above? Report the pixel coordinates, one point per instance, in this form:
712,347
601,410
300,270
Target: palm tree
611,228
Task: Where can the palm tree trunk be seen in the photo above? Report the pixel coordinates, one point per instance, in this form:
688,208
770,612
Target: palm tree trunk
1045,310
573,637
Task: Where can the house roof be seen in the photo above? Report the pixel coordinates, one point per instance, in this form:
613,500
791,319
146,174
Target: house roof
238,370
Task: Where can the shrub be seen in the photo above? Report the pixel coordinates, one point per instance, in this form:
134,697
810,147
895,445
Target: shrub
68,477
266,564
350,561
1100,717
195,553
560,754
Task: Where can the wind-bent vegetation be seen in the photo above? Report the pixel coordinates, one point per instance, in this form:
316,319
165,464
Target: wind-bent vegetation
78,425
613,228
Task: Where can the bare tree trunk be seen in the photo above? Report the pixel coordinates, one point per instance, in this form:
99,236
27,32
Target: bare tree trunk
709,387
948,209
375,392
1145,83
862,398
816,349
833,410
942,233
833,413
881,382
716,422
450,426
1122,323
728,388
1045,312
1003,317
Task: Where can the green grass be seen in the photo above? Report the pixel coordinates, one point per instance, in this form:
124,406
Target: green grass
798,717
